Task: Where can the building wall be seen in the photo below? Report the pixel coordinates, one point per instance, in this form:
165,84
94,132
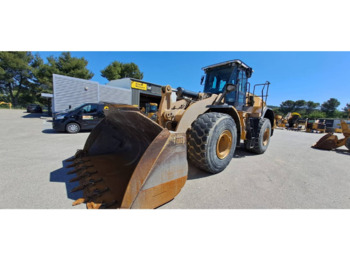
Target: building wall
123,83
115,95
70,91
73,92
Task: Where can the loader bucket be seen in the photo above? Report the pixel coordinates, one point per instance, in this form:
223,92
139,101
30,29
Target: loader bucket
327,142
129,161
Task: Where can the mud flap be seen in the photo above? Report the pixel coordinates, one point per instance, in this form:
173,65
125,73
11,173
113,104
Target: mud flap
129,161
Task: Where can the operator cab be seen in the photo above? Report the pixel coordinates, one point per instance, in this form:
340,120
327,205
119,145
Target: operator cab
231,72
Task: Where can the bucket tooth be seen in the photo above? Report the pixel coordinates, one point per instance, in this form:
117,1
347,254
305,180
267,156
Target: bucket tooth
81,176
78,169
72,165
76,179
78,201
71,172
80,153
78,188
91,182
77,163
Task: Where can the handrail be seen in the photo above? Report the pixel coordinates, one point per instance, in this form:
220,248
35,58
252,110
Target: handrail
263,96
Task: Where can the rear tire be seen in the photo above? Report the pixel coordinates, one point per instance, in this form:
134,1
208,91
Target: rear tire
73,128
260,144
347,143
212,141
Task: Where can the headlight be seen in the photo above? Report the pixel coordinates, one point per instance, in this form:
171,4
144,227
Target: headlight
60,117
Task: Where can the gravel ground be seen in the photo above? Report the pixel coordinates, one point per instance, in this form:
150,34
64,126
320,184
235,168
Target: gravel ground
289,175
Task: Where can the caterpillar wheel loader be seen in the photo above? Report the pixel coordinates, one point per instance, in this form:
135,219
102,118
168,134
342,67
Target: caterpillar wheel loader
331,141
132,161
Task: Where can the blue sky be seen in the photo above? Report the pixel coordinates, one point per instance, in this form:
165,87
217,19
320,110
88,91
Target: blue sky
315,76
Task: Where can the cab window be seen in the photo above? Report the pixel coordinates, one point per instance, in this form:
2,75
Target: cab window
242,87
217,78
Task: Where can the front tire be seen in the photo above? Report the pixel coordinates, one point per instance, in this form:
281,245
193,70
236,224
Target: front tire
212,141
73,128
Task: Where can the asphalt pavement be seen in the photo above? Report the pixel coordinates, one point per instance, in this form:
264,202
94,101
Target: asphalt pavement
289,175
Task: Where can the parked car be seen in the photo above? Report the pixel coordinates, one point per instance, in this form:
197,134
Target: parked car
84,117
34,108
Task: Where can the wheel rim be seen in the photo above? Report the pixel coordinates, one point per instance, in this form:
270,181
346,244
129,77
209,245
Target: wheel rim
223,146
266,136
73,128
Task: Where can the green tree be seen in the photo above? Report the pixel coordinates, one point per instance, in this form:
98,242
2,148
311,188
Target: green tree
65,64
287,106
346,109
316,115
300,106
117,70
16,77
311,106
330,106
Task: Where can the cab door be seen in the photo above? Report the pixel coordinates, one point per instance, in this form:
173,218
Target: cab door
90,116
242,88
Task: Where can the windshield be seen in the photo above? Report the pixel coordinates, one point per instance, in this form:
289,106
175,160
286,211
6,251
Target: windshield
217,78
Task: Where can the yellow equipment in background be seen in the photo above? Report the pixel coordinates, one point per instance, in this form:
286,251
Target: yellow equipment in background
295,122
151,109
280,121
331,141
4,103
316,126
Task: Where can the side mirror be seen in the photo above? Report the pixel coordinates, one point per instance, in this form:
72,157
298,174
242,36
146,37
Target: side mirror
202,79
230,88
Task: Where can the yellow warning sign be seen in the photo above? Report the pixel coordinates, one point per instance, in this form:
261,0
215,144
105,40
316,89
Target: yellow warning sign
138,85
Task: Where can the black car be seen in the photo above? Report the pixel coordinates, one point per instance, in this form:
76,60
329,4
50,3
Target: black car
34,108
84,117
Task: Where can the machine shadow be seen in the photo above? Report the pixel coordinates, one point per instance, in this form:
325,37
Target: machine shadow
196,173
32,115
53,131
342,151
50,131
242,152
60,175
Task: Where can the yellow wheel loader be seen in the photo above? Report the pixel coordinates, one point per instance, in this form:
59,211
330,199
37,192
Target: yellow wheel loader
280,121
132,161
330,141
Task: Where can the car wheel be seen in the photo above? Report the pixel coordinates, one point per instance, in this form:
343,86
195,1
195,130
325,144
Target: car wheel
73,128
